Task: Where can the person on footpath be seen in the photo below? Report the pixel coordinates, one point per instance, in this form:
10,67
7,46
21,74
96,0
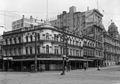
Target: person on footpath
85,66
98,67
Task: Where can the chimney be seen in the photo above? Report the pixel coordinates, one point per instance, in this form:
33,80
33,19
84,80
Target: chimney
31,17
23,16
88,8
64,12
72,9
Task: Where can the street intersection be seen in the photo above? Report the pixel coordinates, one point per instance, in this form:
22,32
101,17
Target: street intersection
110,75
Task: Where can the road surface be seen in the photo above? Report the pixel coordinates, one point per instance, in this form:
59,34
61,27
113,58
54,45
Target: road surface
109,75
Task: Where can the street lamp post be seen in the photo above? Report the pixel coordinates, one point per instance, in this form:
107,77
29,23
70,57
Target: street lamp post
98,66
35,58
65,54
63,70
35,51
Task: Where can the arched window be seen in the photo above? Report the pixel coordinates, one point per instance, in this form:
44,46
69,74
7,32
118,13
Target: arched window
10,40
71,52
47,48
26,38
19,39
73,42
26,50
85,43
47,36
6,41
15,40
80,43
43,36
6,52
61,50
55,37
88,43
38,36
56,50
19,51
70,41
31,38
10,52
15,51
38,49
31,50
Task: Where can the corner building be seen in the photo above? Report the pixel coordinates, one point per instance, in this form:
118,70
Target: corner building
79,35
19,48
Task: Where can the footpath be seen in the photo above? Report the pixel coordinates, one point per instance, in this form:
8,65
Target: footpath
106,67
114,67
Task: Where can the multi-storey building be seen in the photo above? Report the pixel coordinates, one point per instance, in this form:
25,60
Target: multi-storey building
88,23
112,45
19,48
26,22
84,40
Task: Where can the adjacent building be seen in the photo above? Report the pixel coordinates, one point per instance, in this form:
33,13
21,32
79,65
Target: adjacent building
1,60
112,45
26,22
88,24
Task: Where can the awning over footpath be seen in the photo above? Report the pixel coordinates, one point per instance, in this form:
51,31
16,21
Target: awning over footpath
52,59
96,58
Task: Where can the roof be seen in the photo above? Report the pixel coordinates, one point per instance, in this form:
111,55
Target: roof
47,24
112,27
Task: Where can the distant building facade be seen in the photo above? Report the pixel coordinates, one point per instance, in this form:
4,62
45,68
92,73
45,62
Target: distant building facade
25,22
112,45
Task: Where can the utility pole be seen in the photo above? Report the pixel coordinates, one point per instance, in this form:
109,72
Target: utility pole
46,9
97,5
63,56
3,66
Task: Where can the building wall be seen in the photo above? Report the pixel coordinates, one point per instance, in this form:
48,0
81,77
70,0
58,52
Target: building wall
112,50
25,22
23,43
72,19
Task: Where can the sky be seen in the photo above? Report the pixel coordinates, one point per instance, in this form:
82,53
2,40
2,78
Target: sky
11,10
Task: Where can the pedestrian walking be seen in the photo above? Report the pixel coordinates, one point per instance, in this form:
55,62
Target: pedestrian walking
85,66
98,68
